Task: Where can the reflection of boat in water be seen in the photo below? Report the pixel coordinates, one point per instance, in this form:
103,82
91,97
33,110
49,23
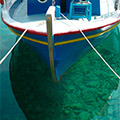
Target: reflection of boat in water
62,42
73,98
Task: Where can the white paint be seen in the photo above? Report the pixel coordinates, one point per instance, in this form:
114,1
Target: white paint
21,20
106,6
42,1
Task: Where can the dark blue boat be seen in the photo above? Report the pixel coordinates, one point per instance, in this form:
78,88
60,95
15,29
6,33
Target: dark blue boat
57,30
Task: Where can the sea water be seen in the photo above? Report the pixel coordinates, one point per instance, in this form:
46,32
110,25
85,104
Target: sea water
87,91
9,108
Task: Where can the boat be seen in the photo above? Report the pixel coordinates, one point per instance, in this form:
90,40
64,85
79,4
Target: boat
57,30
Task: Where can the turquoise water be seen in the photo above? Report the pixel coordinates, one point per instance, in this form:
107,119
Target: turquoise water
9,108
87,91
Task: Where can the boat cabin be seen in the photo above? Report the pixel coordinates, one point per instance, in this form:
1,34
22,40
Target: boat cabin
99,7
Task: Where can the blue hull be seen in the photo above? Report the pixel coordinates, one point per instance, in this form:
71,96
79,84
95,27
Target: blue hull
67,48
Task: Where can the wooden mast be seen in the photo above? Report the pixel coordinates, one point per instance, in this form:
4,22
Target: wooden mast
50,21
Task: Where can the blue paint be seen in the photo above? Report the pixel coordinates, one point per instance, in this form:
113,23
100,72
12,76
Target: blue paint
35,7
67,5
57,11
41,50
70,53
67,54
95,7
80,10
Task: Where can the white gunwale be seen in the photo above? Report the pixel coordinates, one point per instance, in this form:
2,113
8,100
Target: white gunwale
37,23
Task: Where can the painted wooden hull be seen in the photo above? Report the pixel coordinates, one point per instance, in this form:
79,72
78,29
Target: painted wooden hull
68,47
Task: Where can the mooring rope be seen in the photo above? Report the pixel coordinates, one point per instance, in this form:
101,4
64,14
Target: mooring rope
93,47
2,60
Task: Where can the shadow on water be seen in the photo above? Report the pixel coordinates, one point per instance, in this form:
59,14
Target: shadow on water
83,92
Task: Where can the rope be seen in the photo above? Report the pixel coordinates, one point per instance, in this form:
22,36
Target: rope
2,60
93,47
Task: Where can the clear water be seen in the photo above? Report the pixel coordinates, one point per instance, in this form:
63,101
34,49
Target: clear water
9,108
87,91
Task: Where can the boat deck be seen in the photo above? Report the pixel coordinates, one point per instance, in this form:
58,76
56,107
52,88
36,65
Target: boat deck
38,22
